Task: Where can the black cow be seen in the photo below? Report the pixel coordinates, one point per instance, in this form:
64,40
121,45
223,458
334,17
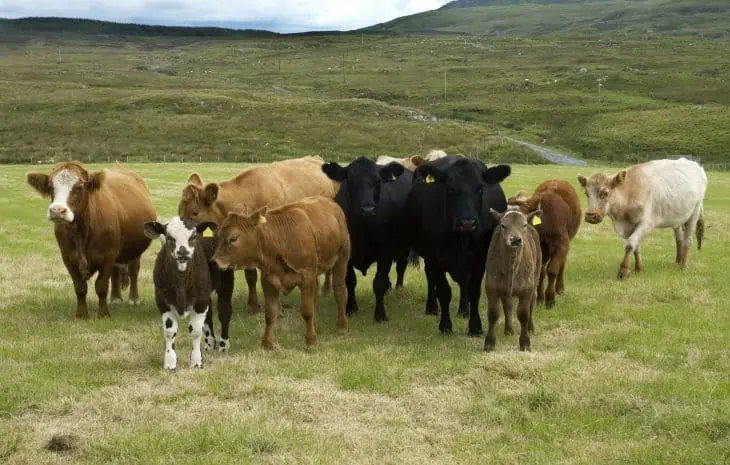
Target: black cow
449,225
373,198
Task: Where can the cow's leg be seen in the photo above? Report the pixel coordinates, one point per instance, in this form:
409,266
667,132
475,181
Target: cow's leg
169,326
351,282
308,307
80,288
339,277
678,241
632,243
560,285
507,308
464,299
492,317
553,271
638,262
208,330
253,298
381,284
225,309
271,305
523,314
116,286
133,266
531,328
327,285
475,294
432,307
443,290
102,287
197,320
689,229
400,268
541,282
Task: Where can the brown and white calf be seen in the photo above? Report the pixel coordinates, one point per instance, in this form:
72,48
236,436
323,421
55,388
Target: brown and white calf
99,219
514,262
184,278
412,162
291,246
558,225
656,194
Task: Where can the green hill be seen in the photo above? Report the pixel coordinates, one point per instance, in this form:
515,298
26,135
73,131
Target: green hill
710,18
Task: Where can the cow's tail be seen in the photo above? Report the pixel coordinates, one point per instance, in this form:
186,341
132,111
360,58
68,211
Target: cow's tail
414,259
123,275
700,231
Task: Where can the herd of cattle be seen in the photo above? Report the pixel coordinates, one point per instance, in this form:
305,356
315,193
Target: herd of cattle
297,219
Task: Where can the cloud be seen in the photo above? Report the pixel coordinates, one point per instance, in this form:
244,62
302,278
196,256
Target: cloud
283,15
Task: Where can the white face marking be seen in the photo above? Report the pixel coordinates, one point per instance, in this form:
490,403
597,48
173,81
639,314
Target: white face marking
63,182
182,251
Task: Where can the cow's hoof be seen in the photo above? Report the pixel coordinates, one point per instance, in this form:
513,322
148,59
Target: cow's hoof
133,302
488,347
224,345
446,329
623,273
103,314
509,331
550,303
194,365
352,311
116,300
380,318
253,309
268,345
476,332
432,310
82,316
560,291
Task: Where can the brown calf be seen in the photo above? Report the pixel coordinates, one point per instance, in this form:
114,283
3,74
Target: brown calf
514,262
99,223
560,221
291,245
269,185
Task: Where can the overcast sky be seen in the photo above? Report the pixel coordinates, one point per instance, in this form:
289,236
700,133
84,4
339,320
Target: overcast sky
278,15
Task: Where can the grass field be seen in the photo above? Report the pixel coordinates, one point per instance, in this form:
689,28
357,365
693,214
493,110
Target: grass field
622,372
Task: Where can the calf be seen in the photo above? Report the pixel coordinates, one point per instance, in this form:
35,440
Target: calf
656,194
184,279
449,225
291,245
559,224
98,222
373,198
514,261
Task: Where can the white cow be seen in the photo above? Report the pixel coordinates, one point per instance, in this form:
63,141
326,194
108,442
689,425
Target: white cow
412,162
656,194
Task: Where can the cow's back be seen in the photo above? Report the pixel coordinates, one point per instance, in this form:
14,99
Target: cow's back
117,213
556,191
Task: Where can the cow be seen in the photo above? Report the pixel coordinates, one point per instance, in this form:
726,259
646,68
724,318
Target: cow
99,226
411,163
291,245
514,261
558,225
269,185
656,194
373,198
448,224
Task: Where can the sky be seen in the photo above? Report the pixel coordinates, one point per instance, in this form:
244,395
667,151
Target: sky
276,15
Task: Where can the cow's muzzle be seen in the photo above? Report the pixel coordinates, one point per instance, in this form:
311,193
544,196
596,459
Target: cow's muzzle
368,210
59,214
515,242
593,217
466,225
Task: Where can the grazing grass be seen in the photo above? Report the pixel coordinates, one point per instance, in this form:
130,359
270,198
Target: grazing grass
101,98
622,372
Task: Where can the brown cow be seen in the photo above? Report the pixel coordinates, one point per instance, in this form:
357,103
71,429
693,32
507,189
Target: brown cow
269,185
559,224
291,245
99,223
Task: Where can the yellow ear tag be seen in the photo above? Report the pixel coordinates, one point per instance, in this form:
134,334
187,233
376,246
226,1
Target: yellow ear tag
536,220
430,179
262,219
392,177
208,233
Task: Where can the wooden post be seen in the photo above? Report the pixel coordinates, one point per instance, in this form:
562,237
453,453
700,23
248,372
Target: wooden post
444,85
59,55
344,74
279,56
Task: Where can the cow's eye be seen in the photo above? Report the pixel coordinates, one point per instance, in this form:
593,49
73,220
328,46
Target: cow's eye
194,213
603,193
233,239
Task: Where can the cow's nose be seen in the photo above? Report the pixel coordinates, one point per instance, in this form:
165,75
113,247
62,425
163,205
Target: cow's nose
468,224
593,218
368,210
58,210
515,241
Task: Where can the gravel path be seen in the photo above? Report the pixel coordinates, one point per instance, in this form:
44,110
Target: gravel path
549,154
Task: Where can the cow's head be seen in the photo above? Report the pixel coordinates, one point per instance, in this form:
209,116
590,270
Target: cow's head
179,238
521,202
464,182
364,181
68,186
238,245
198,203
599,189
513,225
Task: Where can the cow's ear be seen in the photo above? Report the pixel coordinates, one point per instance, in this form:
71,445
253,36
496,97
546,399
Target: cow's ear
496,215
430,174
533,217
334,171
95,181
496,174
154,229
201,228
195,180
210,194
41,183
583,181
391,172
259,216
618,179
417,160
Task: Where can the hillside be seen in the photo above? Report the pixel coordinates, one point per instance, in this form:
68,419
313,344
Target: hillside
709,18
